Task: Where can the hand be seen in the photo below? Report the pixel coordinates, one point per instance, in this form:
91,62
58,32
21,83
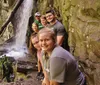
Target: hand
44,82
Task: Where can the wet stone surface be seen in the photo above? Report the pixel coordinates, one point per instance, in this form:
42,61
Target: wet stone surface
31,80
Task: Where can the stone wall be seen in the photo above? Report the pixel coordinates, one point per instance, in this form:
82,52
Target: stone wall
6,7
82,21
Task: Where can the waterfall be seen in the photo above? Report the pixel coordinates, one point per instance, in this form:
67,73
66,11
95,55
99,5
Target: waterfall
20,22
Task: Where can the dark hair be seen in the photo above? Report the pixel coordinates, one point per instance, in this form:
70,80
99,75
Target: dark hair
50,11
43,17
33,35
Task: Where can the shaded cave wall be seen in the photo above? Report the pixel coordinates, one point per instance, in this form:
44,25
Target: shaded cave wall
81,19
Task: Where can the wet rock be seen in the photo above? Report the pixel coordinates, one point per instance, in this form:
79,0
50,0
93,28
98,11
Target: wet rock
26,66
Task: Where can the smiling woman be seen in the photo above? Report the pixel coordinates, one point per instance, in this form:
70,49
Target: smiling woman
35,27
35,50
47,39
60,67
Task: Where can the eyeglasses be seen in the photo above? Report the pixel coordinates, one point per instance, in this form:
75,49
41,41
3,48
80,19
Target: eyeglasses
48,16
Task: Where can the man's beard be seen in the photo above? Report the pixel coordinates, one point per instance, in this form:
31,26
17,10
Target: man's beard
53,20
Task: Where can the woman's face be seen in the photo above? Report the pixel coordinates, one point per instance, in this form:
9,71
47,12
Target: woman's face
34,27
46,42
35,42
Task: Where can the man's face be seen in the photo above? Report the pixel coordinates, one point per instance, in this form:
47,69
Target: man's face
37,18
50,17
43,21
46,42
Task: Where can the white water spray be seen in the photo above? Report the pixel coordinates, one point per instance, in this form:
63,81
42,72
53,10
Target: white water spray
19,49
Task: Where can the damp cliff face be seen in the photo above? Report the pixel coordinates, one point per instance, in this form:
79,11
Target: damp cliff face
19,16
5,10
82,21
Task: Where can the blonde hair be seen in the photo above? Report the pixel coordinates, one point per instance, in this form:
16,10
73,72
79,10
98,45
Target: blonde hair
49,31
35,24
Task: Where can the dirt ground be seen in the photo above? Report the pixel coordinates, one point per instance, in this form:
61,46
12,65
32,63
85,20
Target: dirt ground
31,80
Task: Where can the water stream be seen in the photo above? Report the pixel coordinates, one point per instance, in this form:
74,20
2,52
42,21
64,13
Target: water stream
18,48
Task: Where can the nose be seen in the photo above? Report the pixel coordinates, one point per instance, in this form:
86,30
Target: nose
43,42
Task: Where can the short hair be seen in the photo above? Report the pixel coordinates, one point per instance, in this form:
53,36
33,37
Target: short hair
50,11
43,17
49,31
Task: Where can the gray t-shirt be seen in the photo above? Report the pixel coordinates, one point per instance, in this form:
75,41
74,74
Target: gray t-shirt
63,68
59,30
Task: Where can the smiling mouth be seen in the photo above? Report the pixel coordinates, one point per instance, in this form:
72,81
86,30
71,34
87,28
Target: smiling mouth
44,47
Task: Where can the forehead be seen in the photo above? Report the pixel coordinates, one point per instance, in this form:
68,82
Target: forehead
44,35
34,38
48,14
42,19
34,24
38,16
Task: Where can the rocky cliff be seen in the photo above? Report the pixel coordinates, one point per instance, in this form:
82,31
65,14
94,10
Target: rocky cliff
5,11
82,21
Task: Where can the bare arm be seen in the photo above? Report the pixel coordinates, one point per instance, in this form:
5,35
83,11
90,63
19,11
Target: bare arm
45,80
39,65
60,39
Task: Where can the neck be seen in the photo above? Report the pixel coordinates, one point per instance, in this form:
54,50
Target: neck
53,22
50,52
36,31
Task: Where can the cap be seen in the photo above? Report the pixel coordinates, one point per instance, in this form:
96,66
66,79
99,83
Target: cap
37,14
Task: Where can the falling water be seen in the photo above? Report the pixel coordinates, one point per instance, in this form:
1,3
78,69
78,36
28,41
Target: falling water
20,23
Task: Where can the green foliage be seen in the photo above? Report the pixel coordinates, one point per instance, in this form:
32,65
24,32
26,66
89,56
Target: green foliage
4,61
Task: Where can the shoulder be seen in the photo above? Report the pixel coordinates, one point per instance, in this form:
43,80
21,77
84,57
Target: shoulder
58,51
58,23
59,27
62,53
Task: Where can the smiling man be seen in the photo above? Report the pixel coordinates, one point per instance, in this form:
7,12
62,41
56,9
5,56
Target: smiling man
59,29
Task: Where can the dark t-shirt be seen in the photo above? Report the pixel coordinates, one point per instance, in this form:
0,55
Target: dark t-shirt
59,29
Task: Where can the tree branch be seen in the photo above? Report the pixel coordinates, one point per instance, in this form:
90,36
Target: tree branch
3,28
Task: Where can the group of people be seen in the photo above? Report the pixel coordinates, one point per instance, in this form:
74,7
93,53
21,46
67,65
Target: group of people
49,42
